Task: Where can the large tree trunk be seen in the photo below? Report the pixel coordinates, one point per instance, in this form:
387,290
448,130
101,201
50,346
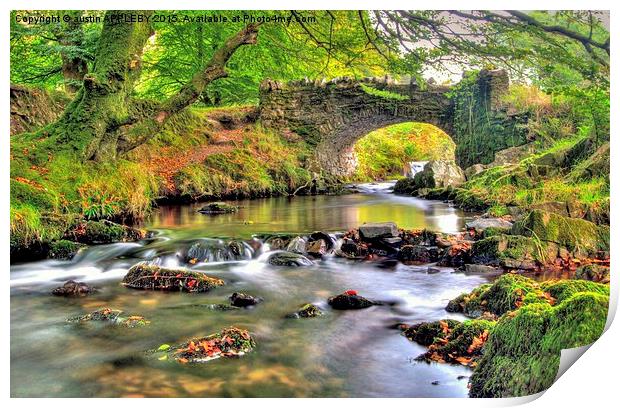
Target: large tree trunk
104,120
74,67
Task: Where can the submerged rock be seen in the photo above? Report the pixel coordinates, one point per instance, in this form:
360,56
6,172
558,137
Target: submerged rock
374,230
152,277
73,288
244,300
230,342
64,249
218,208
306,311
350,300
288,259
111,316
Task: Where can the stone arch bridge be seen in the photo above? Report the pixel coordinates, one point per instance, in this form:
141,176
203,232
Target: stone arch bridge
333,115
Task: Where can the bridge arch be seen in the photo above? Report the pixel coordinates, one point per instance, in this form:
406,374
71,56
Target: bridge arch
333,115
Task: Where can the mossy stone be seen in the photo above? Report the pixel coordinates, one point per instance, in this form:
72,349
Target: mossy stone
581,237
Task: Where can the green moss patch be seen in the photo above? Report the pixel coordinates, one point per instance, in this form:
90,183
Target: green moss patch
64,249
581,237
507,293
523,352
514,252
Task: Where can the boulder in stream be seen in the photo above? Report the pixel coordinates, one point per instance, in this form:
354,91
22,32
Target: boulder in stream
320,235
418,254
306,311
284,258
239,299
297,245
375,230
73,288
317,248
152,277
218,208
230,342
350,300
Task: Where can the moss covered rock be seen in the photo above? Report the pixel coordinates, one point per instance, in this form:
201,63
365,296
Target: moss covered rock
522,354
508,292
230,342
462,345
64,249
561,290
450,341
350,300
104,232
581,237
218,208
405,186
73,288
306,311
427,332
152,277
513,251
111,316
593,272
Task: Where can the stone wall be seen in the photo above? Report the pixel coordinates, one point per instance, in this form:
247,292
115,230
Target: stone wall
333,115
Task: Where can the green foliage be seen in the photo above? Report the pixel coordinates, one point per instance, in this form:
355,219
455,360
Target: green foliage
382,93
264,165
384,153
37,50
284,52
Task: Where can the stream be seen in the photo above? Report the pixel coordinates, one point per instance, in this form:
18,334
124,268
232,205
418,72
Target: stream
354,353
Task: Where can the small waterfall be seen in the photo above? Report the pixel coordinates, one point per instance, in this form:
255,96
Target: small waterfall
414,167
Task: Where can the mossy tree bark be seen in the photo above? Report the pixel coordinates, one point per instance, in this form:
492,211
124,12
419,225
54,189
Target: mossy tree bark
74,66
104,120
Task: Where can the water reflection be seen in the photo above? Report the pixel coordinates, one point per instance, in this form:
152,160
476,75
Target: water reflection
302,214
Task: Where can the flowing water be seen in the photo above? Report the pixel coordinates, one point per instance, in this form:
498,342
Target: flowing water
353,353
